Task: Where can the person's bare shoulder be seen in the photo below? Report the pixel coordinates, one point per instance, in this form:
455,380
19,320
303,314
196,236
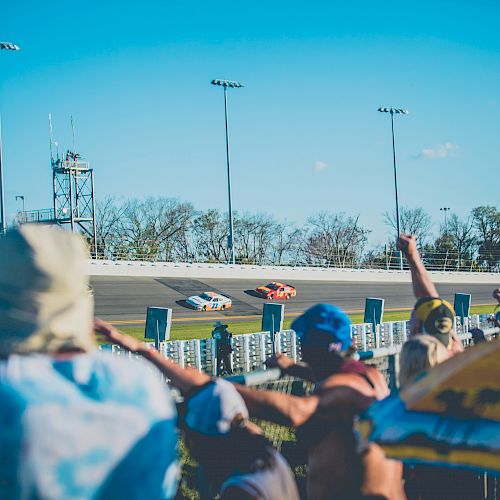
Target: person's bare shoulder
345,392
352,381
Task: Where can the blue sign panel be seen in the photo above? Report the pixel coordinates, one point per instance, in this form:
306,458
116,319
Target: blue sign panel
462,305
158,323
272,317
374,311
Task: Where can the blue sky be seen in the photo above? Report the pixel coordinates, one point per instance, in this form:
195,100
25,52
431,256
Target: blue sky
305,132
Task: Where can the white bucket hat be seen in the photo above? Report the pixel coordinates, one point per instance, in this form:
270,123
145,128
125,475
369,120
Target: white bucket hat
45,304
212,410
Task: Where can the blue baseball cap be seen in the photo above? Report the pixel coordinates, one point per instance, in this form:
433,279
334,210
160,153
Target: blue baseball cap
324,326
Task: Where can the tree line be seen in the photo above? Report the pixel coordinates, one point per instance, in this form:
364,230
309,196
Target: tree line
167,229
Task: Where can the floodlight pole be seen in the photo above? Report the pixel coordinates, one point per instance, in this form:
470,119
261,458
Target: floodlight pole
392,111
229,196
225,84
3,227
445,210
398,220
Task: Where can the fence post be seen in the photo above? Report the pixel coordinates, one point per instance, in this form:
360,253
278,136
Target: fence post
180,353
293,345
377,332
215,361
262,348
277,344
246,353
363,337
197,355
445,261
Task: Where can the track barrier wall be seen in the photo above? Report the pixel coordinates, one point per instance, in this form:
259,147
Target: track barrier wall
274,273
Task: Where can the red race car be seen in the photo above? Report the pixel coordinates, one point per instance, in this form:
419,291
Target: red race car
276,291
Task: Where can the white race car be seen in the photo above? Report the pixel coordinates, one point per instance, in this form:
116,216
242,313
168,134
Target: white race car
209,301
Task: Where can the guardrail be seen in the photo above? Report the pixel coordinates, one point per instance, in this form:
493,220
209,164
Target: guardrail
250,351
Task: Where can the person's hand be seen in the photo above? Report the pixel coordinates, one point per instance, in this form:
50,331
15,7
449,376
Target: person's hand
280,361
456,346
494,321
109,333
407,244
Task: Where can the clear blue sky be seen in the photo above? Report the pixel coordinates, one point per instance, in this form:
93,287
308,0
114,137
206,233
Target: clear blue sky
306,135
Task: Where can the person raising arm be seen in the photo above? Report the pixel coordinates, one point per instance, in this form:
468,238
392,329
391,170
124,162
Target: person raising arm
235,458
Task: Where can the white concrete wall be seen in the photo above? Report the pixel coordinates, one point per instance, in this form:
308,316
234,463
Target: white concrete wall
276,273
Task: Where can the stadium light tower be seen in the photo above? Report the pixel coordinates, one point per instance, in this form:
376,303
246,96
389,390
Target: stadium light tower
3,46
392,112
225,84
445,210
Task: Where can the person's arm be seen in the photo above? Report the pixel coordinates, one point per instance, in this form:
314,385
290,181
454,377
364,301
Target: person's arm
422,284
289,367
344,396
278,407
183,378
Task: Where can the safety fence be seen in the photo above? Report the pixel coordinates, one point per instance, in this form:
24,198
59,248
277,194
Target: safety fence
389,260
250,351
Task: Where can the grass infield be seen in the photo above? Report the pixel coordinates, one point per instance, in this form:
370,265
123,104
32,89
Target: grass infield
200,330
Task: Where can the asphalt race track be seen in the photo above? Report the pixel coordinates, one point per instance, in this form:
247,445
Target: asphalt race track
123,300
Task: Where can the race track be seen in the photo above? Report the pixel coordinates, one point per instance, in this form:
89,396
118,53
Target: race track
123,300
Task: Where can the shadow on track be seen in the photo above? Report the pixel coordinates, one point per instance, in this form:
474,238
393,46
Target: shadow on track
183,303
253,293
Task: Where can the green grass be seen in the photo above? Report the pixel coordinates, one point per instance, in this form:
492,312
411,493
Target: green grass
200,330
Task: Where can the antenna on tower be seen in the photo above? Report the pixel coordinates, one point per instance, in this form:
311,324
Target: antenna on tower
51,141
73,131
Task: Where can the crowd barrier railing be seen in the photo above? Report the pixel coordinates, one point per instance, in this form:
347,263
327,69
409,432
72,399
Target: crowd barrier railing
250,351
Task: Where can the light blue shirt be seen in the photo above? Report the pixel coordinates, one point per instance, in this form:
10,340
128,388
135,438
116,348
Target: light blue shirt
90,427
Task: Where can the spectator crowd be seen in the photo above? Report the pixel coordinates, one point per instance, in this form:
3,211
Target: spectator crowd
78,423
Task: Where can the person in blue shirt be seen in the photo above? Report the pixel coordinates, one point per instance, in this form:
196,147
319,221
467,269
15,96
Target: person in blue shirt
74,422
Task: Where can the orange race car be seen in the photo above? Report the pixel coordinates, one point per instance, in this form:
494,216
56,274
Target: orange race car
276,290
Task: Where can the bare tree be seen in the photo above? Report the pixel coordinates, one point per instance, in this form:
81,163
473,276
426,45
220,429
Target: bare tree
254,235
415,221
487,224
286,244
153,228
454,247
210,234
463,239
109,212
334,240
